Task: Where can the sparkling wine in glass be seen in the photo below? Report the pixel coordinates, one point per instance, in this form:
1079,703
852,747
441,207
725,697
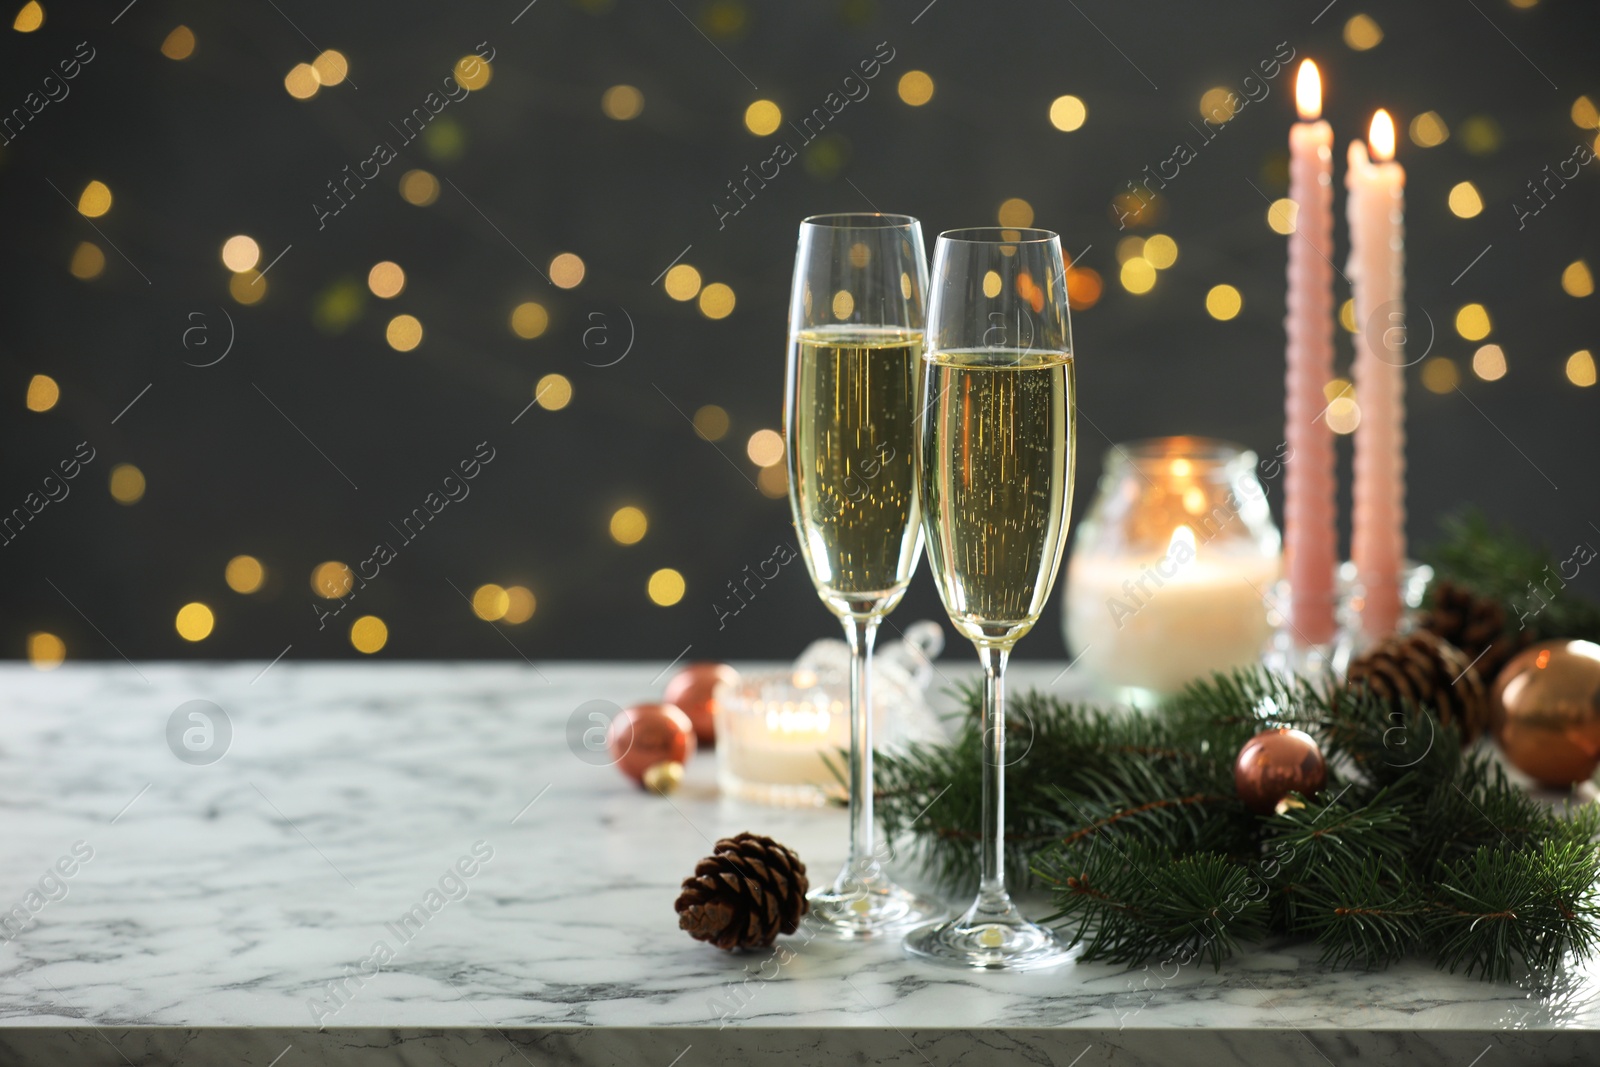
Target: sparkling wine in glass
995,464
850,425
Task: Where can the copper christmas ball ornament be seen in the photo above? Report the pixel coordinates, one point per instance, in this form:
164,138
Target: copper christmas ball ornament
694,690
1547,711
1275,763
649,734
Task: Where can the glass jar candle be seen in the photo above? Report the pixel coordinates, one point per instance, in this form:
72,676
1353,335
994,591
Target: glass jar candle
1172,566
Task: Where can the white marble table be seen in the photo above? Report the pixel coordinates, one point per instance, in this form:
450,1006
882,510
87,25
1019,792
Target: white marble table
220,901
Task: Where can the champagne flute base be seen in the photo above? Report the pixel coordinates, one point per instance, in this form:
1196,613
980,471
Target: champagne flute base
991,936
858,907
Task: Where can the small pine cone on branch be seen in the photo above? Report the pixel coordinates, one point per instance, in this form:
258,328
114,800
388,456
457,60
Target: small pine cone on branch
1428,671
743,895
1474,624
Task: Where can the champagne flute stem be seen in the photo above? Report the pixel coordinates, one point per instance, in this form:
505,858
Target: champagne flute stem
993,880
861,632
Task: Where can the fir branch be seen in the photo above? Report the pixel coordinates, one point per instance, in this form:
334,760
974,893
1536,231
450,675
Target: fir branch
1362,914
1527,578
1132,822
1160,804
1131,902
1485,810
1495,911
1329,831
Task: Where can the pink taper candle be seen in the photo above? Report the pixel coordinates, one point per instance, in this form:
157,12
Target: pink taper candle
1377,274
1310,539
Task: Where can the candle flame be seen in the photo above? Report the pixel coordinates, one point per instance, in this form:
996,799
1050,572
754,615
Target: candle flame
1382,136
1308,92
1182,535
791,718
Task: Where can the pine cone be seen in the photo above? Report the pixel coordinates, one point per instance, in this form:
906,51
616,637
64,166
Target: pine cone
1423,668
746,893
1474,624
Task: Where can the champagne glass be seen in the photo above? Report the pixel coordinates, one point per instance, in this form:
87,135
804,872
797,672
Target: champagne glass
995,465
850,417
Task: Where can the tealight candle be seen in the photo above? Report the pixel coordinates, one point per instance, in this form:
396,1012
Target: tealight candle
775,736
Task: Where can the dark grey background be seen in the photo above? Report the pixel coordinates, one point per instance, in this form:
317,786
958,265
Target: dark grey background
199,150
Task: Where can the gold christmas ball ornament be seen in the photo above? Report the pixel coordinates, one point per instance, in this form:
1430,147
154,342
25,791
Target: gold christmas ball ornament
1275,763
694,689
664,778
1547,711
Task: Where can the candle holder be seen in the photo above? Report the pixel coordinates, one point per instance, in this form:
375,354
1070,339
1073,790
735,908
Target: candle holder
1353,635
1171,567
1290,657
